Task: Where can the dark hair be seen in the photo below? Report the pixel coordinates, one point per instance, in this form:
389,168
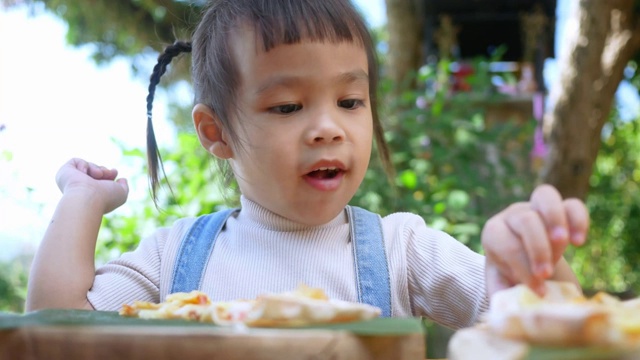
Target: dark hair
276,22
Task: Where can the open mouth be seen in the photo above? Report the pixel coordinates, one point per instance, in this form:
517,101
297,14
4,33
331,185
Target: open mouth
325,173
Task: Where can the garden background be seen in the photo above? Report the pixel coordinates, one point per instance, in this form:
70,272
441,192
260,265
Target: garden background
459,159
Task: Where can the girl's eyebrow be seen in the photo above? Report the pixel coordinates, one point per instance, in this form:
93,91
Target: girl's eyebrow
348,77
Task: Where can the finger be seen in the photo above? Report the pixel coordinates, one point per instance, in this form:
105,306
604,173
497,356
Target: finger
505,250
513,270
547,201
101,172
124,184
71,166
578,218
108,174
79,164
528,227
121,190
495,280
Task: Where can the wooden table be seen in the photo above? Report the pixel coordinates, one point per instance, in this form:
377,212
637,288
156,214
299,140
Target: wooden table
105,336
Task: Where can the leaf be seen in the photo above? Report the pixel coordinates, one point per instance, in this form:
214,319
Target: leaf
50,317
458,199
409,179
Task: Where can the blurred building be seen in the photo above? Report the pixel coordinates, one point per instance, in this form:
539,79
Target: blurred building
464,29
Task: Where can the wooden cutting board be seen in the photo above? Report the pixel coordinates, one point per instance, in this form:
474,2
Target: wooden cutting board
95,335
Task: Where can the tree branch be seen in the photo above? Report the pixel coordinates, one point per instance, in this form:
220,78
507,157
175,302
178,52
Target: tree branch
622,42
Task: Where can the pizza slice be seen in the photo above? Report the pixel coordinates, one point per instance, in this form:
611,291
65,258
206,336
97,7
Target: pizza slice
564,324
189,306
564,317
303,306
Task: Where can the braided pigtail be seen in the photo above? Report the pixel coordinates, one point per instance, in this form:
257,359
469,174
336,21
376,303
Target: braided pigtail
154,160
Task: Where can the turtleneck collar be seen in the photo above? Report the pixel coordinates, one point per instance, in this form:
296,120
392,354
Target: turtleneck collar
256,215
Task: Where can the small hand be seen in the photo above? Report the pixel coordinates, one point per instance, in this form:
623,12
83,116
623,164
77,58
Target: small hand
96,182
525,242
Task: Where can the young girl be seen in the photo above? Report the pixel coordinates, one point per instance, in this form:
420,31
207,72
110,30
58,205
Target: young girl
285,94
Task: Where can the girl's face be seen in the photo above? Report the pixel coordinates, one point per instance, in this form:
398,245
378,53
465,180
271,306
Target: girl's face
305,125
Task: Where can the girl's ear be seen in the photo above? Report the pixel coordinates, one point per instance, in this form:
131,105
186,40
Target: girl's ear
210,132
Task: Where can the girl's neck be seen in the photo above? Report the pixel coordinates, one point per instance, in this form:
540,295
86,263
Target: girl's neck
259,216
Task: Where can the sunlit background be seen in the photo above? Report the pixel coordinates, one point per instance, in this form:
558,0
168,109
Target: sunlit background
56,103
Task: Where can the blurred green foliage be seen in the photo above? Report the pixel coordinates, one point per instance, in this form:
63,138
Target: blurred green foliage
611,258
130,28
191,187
13,284
452,168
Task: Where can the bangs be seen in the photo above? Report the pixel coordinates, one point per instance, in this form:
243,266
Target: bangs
290,22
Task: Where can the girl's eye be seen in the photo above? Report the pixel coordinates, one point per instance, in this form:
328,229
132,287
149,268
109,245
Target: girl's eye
350,104
286,109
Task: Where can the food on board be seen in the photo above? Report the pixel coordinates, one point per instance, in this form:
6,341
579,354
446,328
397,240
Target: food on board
564,317
301,307
564,320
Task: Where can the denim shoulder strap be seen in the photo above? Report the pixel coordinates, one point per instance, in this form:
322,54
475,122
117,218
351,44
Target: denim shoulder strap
195,250
370,258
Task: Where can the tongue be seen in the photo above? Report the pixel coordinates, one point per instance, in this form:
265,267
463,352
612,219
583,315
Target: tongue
321,174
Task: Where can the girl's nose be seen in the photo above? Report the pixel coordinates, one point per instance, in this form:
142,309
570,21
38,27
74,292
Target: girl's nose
325,128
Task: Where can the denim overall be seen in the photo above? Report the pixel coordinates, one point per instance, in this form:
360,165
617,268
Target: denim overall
370,259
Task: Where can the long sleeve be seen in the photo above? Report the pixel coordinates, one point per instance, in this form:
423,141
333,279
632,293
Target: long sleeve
445,278
133,276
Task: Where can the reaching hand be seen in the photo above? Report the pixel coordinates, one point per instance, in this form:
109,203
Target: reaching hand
96,182
525,242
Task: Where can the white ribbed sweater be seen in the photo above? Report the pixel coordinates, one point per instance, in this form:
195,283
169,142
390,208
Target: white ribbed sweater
432,274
